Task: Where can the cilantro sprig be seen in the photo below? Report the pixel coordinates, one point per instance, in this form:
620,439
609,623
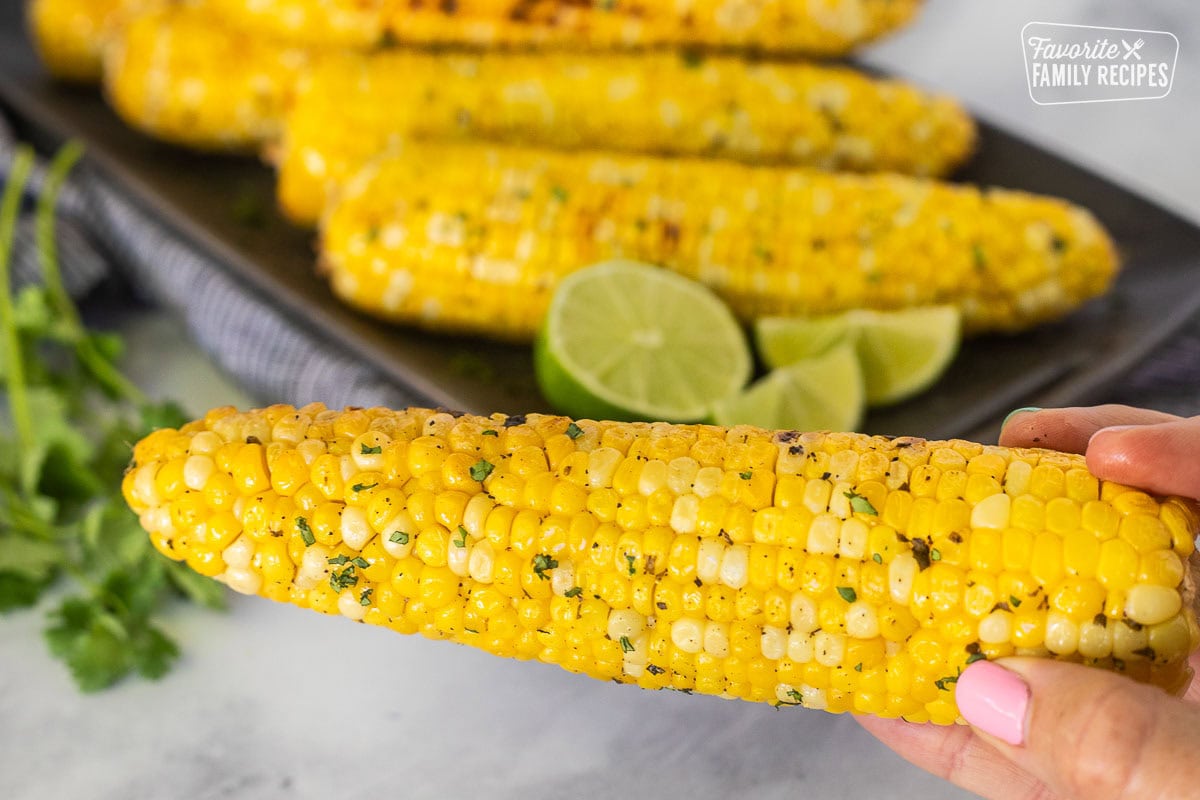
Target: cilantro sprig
68,417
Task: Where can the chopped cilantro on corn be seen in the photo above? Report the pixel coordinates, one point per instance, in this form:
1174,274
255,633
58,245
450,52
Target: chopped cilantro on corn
177,75
825,28
474,238
755,111
825,570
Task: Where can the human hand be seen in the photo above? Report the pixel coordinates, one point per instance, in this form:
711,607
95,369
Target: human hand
1044,729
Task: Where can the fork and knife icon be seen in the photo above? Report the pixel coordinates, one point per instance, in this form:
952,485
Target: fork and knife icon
1132,49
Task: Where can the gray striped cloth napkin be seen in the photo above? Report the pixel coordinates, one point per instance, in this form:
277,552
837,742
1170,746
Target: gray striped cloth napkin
104,237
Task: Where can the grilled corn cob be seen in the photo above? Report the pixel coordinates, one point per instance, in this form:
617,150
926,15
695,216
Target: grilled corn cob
767,112
826,570
70,34
822,28
176,74
474,238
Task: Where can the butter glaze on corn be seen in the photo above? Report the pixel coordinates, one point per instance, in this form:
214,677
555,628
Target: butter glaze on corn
826,28
828,570
475,238
753,111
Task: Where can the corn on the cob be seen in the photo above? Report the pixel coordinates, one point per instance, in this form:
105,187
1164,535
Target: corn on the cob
824,28
834,571
70,34
178,75
758,112
475,238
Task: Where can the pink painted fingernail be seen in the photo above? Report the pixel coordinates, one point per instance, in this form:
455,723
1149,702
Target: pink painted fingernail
994,700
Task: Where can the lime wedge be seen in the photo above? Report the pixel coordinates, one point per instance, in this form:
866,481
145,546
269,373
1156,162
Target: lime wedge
623,340
902,352
822,393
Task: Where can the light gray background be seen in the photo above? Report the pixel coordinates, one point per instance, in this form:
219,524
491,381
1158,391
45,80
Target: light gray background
272,702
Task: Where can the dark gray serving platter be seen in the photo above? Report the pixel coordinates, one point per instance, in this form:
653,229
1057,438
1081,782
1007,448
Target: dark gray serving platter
204,198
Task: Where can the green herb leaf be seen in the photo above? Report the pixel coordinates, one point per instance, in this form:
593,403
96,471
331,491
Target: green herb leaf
574,591
574,431
490,432
878,559
626,645
860,504
461,539
371,451
399,537
305,532
1014,601
541,563
362,487
971,659
481,469
847,593
747,475
935,555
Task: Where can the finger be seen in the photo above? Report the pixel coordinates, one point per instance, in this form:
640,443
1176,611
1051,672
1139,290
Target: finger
956,754
1084,732
1069,429
1162,458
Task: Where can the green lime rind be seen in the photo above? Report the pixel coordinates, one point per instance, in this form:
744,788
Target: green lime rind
820,393
629,341
902,352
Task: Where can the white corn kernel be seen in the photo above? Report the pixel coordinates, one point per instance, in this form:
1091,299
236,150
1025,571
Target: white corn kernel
309,449
773,642
625,623
1170,639
347,468
816,495
196,472
602,465
314,567
239,554
800,647
803,613
897,475
356,531
144,490
158,520
681,472
242,580
350,605
458,558
861,620
1016,478
813,697
708,560
839,500
1151,604
687,633
476,513
639,656
716,639
562,577
204,443
399,535
684,513
1095,640
1062,634
996,628
708,481
830,648
901,574
853,540
363,447
992,512
482,565
1128,640
843,465
653,477
735,566
823,534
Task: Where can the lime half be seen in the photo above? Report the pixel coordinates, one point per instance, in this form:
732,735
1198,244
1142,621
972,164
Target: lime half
623,340
822,393
902,352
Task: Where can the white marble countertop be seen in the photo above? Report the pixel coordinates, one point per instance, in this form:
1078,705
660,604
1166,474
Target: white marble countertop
272,702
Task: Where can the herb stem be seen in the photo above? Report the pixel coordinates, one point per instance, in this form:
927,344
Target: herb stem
10,207
89,357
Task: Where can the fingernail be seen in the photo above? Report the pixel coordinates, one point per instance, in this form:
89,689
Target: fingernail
1016,411
1110,429
994,700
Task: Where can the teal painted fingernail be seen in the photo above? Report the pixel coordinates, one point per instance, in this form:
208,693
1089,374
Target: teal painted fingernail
1016,411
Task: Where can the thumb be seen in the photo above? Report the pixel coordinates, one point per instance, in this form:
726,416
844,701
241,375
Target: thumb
1084,732
1159,458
